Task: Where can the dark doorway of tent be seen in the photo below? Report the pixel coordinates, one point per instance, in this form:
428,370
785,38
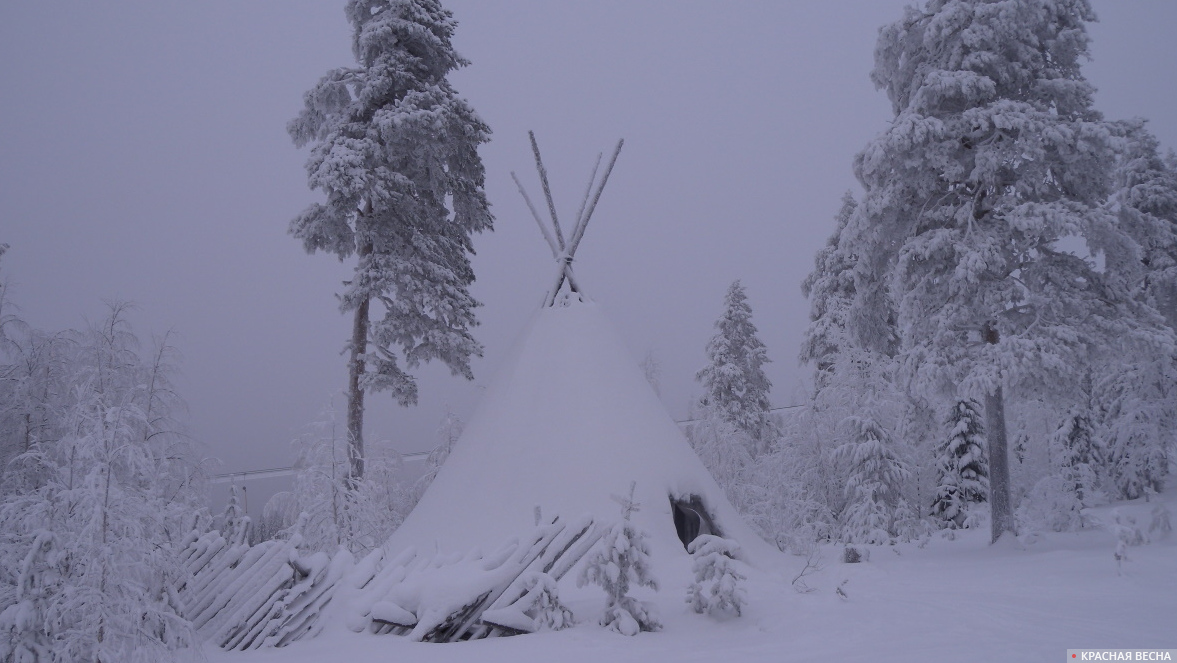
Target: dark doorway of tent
691,519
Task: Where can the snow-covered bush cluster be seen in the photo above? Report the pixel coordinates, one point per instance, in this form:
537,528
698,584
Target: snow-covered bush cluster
97,492
337,508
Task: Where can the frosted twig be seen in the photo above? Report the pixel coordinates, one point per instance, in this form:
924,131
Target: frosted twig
812,565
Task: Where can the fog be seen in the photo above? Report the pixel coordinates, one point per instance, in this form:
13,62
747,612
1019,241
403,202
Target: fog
144,157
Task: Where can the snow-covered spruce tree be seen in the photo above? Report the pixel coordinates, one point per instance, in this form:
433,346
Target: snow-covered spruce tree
620,560
961,466
88,563
718,589
235,524
734,381
830,291
995,158
875,475
922,433
1136,394
1138,416
1076,455
395,152
792,493
546,609
853,381
1145,201
861,408
725,451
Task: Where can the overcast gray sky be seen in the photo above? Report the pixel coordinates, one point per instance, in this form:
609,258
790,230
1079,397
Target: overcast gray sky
143,156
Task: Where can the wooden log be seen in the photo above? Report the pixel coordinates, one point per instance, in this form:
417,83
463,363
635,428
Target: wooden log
451,629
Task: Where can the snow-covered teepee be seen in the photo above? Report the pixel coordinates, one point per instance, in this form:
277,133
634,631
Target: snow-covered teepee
569,422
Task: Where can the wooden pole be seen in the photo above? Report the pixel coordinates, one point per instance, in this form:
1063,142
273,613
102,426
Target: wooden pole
543,178
589,213
582,223
587,192
535,215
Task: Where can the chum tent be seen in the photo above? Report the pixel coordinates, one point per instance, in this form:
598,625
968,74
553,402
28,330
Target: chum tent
568,423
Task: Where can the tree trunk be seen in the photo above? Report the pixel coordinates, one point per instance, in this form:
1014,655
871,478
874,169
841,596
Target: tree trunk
1001,514
355,393
999,503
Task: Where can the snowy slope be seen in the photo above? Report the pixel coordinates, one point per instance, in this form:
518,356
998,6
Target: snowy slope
569,422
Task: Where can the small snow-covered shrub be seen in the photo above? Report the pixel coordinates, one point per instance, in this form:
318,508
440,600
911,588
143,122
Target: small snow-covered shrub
855,554
620,559
342,511
1161,524
908,525
1125,529
1050,506
977,516
547,611
1127,533
718,588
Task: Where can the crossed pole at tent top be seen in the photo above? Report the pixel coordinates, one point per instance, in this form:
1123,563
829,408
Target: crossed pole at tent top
564,251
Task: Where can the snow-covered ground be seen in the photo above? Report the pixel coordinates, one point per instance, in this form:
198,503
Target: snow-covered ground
959,600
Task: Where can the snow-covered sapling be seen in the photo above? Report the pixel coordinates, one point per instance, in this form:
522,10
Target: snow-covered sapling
547,611
235,523
961,467
908,525
718,588
1124,528
812,565
1161,523
621,559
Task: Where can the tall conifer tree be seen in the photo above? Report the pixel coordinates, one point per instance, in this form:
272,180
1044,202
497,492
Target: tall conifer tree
830,291
994,165
1136,393
736,385
395,152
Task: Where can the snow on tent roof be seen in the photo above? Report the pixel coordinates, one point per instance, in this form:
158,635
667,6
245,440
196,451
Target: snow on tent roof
568,422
